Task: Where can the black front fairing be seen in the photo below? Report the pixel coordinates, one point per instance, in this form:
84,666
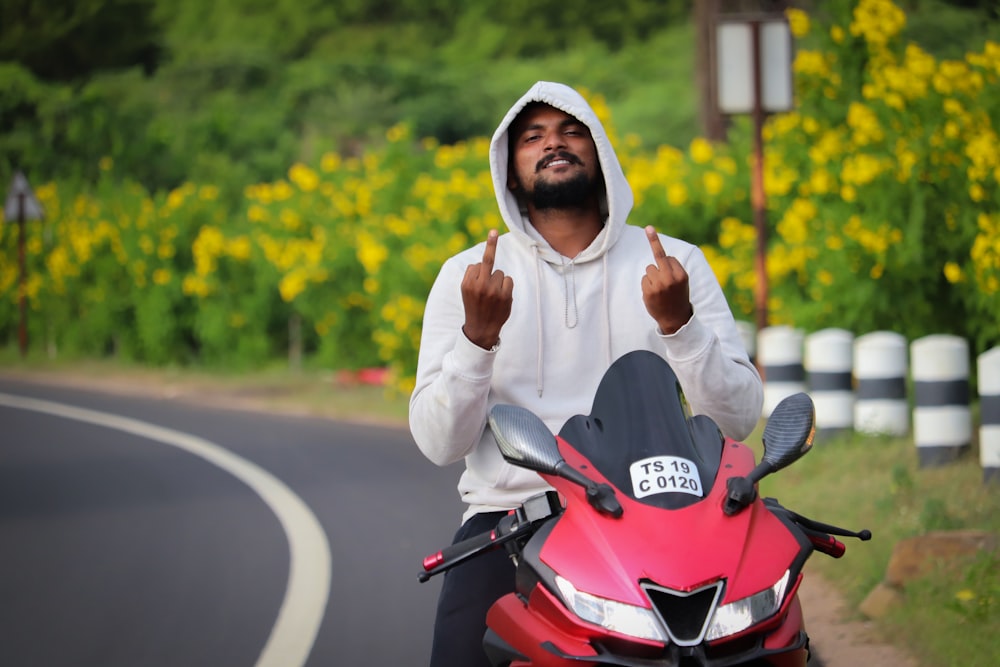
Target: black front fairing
639,413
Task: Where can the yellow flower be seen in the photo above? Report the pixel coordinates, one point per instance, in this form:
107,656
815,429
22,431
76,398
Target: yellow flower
257,213
195,286
239,248
713,182
329,162
810,62
864,124
106,163
371,253
734,232
292,284
175,199
798,22
290,219
397,133
161,276
701,150
677,194
305,178
281,191
821,181
965,595
860,169
953,272
877,21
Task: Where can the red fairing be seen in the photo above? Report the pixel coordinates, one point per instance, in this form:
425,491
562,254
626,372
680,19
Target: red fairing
682,549
545,621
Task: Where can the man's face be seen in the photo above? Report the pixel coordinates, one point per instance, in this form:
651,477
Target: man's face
553,159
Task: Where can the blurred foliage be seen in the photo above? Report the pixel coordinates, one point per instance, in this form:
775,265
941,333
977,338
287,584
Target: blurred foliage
274,233
234,91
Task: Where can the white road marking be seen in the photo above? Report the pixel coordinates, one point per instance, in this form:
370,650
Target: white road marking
302,609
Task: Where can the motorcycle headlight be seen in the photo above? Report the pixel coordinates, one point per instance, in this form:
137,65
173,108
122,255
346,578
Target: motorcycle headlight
741,614
615,616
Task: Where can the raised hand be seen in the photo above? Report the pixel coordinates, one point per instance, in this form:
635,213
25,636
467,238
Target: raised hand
665,288
487,296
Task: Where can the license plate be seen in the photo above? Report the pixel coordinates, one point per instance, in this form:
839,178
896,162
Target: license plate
665,474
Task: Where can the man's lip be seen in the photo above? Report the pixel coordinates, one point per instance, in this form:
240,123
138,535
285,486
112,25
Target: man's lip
563,160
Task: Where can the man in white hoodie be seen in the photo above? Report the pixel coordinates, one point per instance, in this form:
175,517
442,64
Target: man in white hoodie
535,316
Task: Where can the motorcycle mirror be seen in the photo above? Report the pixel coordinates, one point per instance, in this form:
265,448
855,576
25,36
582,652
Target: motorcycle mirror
524,439
789,432
787,437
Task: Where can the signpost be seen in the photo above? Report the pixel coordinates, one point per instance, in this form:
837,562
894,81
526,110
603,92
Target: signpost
21,205
754,76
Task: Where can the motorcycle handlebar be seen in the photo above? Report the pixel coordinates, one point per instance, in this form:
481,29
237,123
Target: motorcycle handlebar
820,534
824,543
452,555
518,523
466,548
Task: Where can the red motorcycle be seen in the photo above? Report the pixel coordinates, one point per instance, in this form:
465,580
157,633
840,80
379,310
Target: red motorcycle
655,549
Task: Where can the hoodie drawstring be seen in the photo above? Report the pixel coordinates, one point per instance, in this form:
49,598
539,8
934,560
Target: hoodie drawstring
607,309
571,307
538,318
569,292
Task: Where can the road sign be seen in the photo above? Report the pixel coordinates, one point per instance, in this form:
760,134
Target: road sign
21,203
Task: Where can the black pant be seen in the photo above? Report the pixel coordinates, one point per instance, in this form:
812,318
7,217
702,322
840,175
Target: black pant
466,595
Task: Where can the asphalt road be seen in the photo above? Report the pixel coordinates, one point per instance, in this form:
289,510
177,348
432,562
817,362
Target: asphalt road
177,534
141,531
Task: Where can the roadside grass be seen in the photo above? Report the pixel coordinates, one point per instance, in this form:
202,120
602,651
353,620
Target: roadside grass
949,617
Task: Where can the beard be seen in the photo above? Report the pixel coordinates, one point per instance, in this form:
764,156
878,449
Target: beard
574,192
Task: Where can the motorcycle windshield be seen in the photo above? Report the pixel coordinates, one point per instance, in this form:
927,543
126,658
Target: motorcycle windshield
641,436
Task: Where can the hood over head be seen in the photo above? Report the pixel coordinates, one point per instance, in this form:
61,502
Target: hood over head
618,195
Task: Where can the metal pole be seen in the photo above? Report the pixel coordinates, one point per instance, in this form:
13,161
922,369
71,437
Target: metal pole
706,16
757,196
23,281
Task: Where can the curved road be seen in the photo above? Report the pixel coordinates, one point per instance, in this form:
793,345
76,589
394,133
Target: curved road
140,531
145,531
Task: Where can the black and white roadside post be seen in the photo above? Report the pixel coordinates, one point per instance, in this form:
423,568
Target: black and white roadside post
21,205
753,74
881,404
942,418
988,371
779,356
829,365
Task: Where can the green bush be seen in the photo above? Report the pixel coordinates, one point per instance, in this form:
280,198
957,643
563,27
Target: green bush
883,192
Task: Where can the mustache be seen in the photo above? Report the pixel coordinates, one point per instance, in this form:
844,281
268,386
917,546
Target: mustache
561,155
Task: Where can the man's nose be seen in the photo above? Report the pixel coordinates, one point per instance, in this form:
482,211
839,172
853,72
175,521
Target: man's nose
554,141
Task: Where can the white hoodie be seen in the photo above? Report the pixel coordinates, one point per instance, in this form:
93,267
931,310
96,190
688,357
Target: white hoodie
571,318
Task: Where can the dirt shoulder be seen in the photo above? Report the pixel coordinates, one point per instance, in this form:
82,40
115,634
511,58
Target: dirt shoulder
836,638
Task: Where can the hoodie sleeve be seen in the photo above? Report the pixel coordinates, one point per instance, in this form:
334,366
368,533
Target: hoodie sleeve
448,407
710,359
